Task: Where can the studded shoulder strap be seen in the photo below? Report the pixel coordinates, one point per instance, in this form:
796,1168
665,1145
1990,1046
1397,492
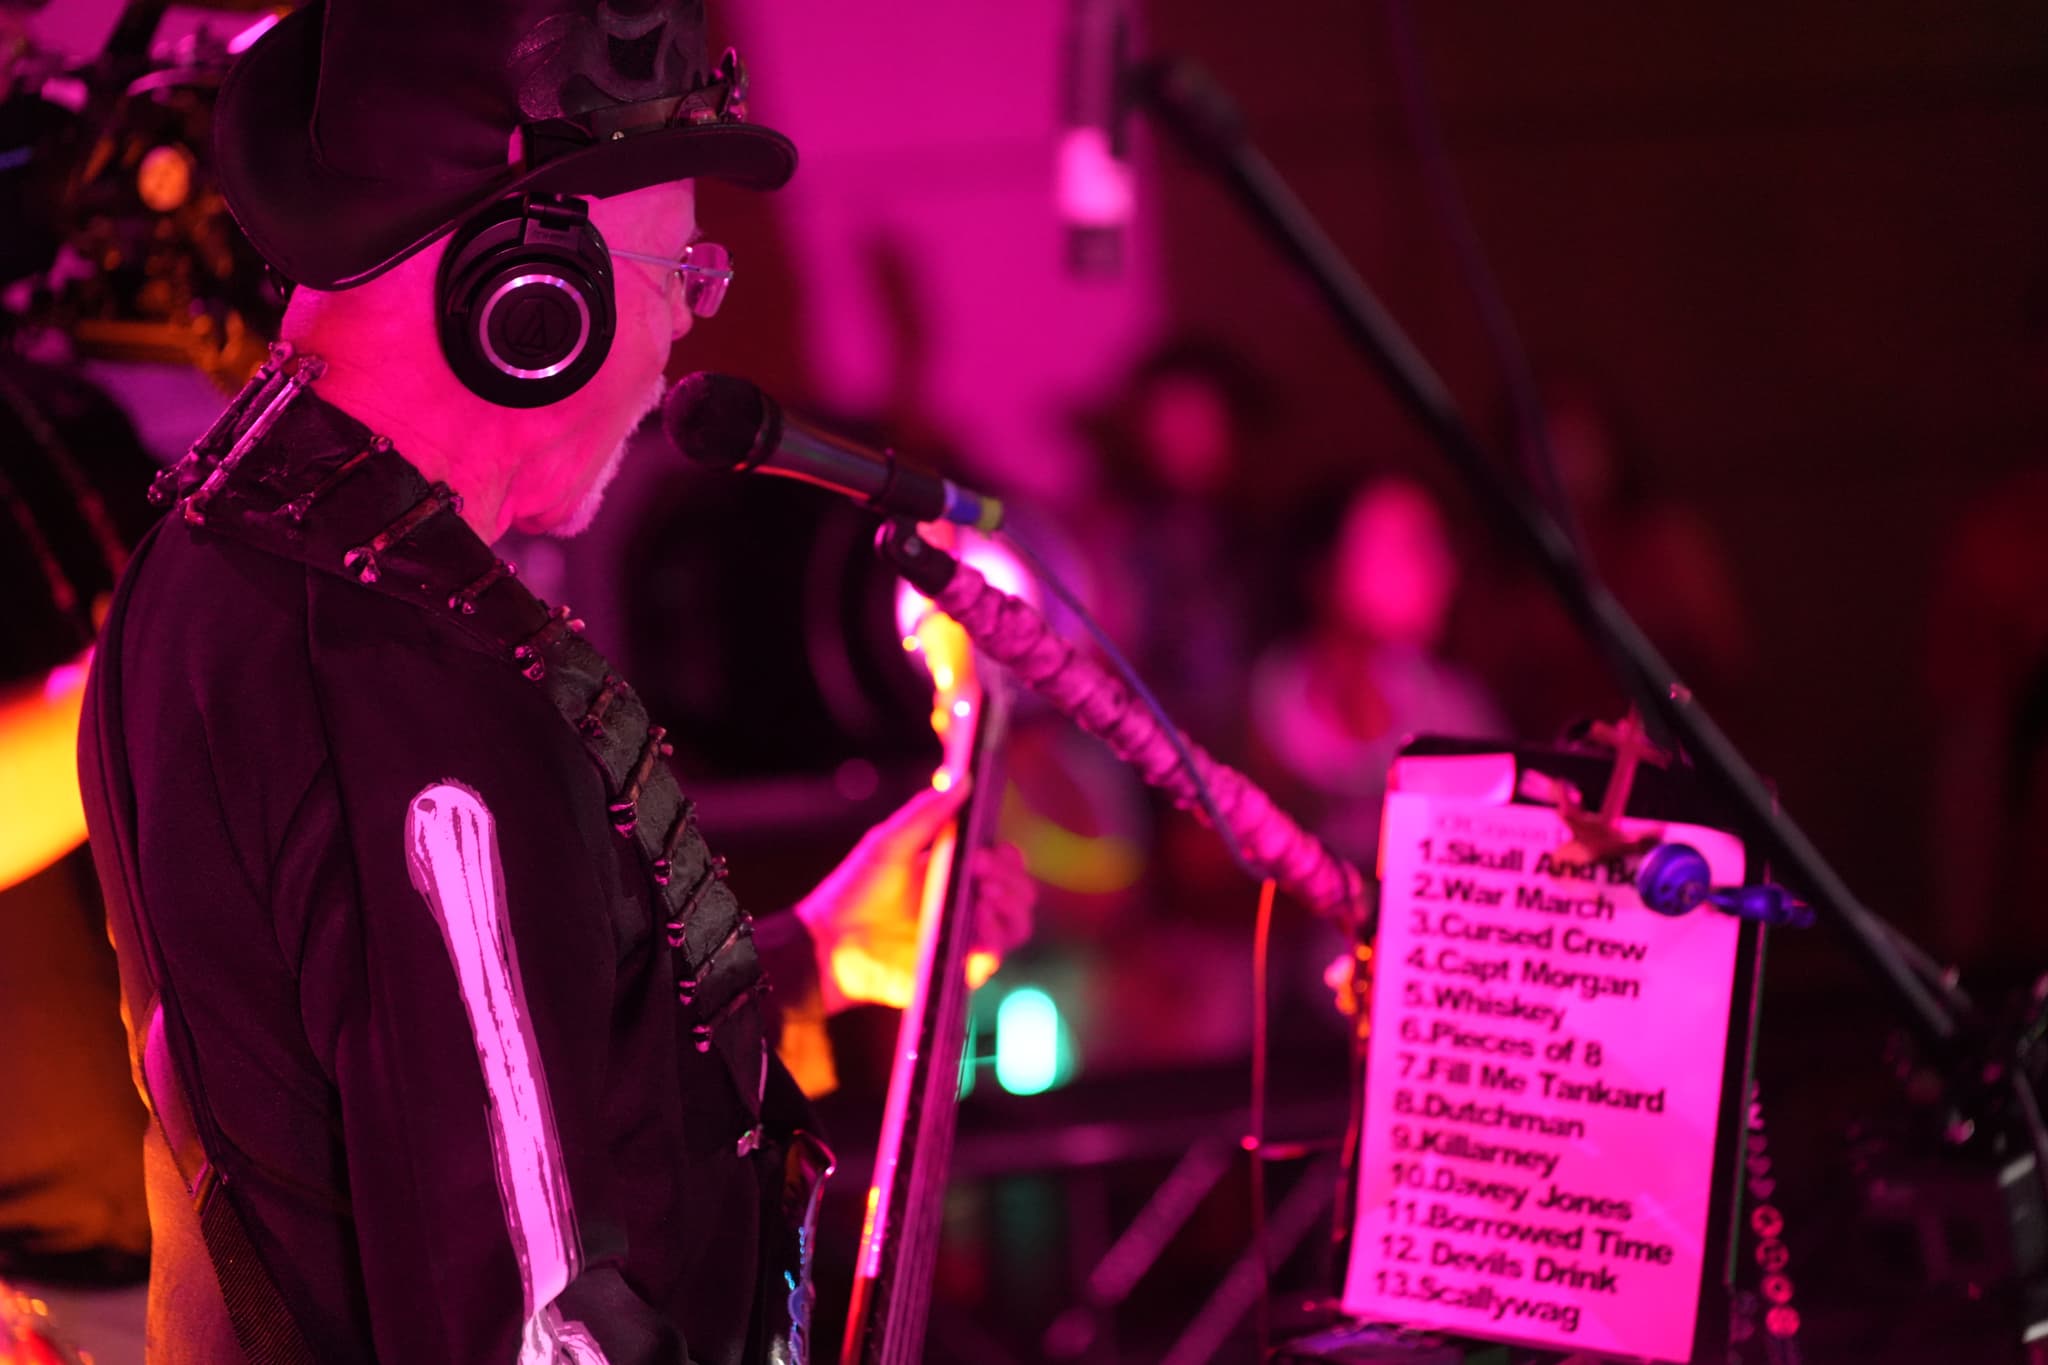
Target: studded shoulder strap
287,473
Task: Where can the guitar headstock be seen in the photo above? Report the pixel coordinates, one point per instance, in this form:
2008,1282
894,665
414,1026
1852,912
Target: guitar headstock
948,655
958,694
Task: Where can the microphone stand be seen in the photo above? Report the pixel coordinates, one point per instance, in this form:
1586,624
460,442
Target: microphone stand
1985,1085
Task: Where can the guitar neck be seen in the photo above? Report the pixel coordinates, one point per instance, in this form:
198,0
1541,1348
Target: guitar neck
894,1271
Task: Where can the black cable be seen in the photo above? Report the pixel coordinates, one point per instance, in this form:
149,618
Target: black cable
1255,1141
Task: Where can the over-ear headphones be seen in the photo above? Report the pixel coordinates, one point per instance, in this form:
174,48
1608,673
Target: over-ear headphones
525,304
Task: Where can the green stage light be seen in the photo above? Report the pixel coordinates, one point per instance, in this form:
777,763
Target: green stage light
1028,1042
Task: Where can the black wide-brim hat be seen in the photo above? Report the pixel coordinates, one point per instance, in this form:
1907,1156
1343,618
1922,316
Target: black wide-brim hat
356,132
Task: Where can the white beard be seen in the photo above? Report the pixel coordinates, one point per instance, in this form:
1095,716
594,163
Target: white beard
586,510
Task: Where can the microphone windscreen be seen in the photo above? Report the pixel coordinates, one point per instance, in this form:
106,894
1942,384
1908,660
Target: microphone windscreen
720,421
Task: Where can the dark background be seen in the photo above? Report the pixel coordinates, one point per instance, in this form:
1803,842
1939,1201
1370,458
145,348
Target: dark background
1790,244
1790,248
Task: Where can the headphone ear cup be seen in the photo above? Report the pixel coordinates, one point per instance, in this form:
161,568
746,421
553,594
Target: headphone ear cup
526,312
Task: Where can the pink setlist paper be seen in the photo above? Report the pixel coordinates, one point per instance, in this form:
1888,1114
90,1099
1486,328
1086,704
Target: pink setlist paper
1543,1086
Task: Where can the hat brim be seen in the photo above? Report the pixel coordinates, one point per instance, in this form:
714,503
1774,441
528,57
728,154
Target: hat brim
328,230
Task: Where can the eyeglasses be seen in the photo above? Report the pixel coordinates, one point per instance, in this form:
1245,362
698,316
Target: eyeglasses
705,268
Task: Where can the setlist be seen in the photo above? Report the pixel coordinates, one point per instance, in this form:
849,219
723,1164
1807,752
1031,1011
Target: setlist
1543,1088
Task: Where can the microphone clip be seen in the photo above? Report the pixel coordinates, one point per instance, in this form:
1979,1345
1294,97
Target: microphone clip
1674,880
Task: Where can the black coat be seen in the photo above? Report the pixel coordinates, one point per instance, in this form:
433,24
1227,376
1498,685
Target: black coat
443,1126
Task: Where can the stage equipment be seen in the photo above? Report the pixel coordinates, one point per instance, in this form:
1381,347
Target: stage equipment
1093,182
1201,116
1510,358
1011,632
117,235
1771,1307
726,423
1554,1118
1990,1094
1385,1346
524,301
27,1335
1014,634
1137,1249
899,1243
1674,880
731,425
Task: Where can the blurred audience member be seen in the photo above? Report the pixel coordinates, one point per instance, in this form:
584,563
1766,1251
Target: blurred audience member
1987,675
1177,584
1169,566
1333,705
1660,558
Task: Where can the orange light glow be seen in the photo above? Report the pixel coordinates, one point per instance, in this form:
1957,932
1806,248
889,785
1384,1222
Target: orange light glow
41,815
1089,865
867,1229
885,977
949,654
861,976
858,969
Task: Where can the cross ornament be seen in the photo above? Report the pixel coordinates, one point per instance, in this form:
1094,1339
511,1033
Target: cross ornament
1596,834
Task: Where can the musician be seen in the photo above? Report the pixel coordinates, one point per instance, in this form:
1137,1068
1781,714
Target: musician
457,1042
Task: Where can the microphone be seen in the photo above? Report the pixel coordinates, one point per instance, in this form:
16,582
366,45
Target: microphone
726,423
1093,182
